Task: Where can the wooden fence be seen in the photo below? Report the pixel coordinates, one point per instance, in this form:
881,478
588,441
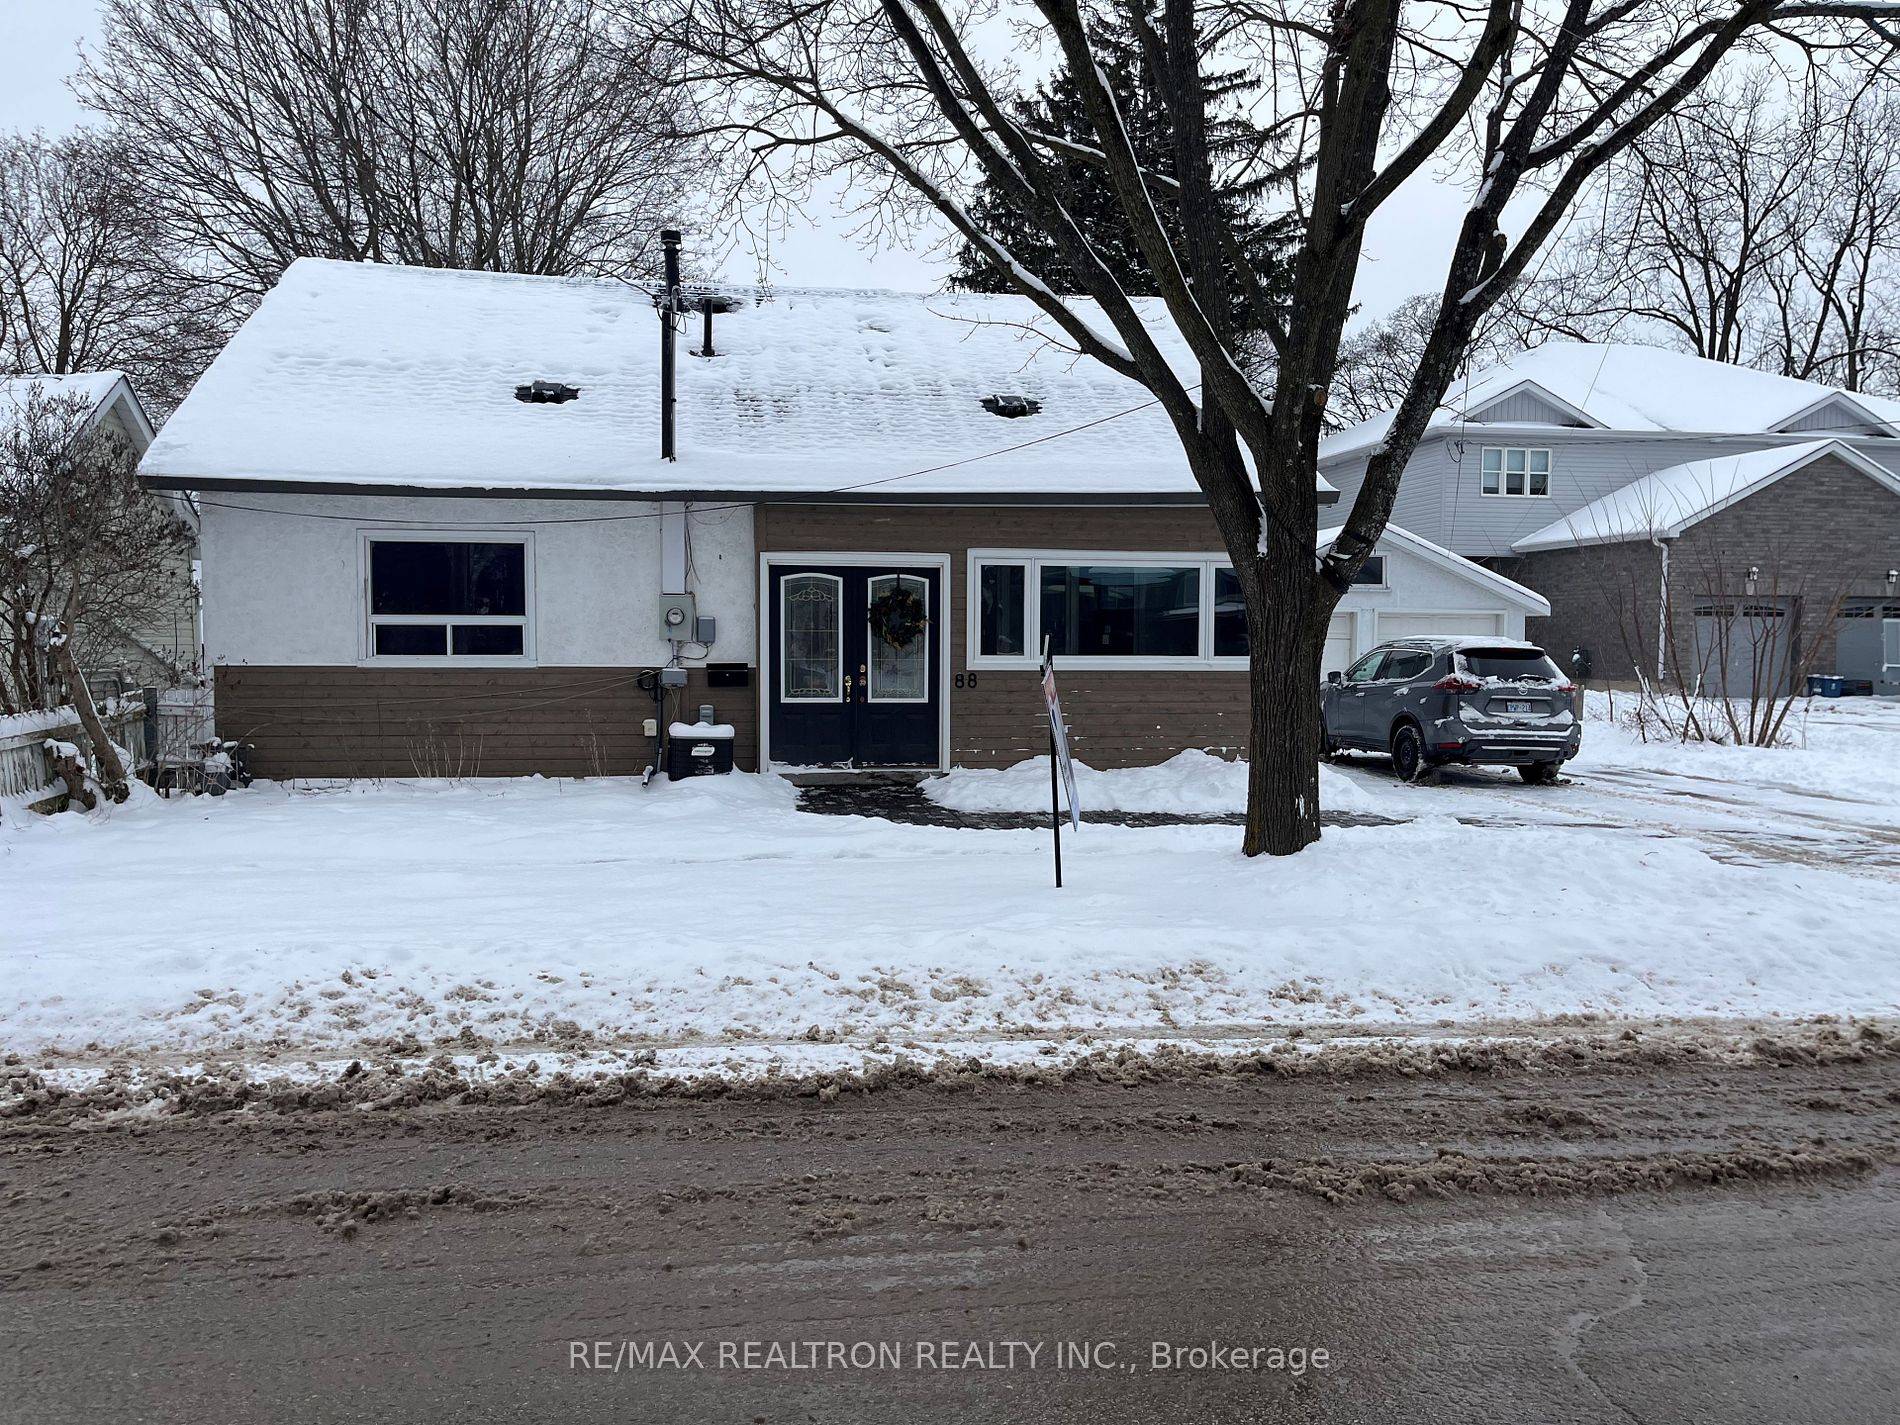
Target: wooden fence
25,768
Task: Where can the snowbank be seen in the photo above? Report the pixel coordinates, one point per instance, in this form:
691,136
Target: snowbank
312,921
1191,783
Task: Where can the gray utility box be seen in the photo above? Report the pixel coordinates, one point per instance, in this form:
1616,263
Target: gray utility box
679,618
698,749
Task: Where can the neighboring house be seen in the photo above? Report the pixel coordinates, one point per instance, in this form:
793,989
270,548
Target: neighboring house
1761,513
438,534
160,649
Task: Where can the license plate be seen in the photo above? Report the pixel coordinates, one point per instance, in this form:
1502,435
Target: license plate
1516,705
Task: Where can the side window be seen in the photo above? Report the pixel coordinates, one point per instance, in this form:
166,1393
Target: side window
1406,666
1003,609
1367,668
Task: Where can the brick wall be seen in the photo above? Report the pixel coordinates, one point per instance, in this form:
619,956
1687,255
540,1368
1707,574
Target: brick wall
1821,535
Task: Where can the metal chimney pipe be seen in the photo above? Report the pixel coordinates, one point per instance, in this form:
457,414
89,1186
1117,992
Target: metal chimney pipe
669,308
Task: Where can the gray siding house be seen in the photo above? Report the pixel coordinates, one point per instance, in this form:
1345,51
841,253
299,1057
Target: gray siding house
1683,517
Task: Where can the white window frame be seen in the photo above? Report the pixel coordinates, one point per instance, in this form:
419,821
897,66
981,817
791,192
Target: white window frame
784,643
368,622
870,660
1033,559
1501,493
1385,573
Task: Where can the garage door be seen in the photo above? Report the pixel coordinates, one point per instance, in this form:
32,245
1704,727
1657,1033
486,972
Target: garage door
1338,655
1740,644
1867,648
1420,625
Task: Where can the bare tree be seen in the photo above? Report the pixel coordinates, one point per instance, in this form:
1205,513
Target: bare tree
1836,313
1377,363
1532,99
84,275
1759,225
506,135
83,549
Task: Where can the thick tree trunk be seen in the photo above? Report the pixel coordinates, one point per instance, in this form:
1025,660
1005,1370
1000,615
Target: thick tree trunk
1286,632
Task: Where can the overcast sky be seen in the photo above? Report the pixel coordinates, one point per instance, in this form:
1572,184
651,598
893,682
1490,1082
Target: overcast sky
1405,250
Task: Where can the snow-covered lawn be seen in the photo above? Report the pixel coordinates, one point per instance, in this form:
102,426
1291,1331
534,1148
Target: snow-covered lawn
314,921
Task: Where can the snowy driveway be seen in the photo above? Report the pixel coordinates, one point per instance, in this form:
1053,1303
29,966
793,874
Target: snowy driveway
320,921
1835,800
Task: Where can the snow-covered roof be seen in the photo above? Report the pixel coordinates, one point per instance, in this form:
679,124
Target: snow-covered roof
96,392
361,375
1530,600
1633,388
1663,503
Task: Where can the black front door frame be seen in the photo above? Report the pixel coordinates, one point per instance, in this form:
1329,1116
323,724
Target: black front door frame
768,652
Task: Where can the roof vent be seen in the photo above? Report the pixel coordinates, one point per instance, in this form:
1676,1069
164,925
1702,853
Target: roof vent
1011,406
546,393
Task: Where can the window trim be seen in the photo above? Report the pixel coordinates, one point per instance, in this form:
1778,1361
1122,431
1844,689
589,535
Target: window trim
1501,493
1206,561
367,622
785,642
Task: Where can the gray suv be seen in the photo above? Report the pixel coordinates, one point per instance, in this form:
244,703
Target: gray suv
1429,701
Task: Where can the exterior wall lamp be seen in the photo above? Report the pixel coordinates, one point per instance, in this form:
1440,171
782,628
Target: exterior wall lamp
1754,577
1893,579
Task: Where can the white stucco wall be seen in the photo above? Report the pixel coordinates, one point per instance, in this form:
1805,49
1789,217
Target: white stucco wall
284,579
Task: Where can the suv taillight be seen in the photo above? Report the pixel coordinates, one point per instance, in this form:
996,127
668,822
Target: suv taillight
1566,687
1456,683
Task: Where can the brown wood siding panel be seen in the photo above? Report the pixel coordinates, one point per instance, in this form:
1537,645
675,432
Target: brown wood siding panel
1116,719
488,722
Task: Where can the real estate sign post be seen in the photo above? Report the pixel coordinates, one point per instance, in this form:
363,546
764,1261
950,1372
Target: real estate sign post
1059,760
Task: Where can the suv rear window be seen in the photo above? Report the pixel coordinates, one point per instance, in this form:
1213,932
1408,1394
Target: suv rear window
1513,664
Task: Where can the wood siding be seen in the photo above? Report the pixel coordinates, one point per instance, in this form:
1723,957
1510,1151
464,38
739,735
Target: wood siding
996,716
472,722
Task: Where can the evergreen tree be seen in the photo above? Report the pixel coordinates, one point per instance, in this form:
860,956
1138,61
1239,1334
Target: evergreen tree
1056,109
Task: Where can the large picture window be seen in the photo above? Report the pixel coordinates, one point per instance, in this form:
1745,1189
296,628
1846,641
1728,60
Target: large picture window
1128,611
1105,610
447,599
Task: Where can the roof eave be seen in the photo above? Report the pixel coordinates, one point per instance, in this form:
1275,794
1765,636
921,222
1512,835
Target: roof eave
159,480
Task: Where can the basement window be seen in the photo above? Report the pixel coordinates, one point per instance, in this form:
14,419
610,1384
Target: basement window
441,599
1012,407
547,393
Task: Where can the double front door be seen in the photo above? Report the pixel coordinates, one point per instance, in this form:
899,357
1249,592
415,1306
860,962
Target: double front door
856,654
